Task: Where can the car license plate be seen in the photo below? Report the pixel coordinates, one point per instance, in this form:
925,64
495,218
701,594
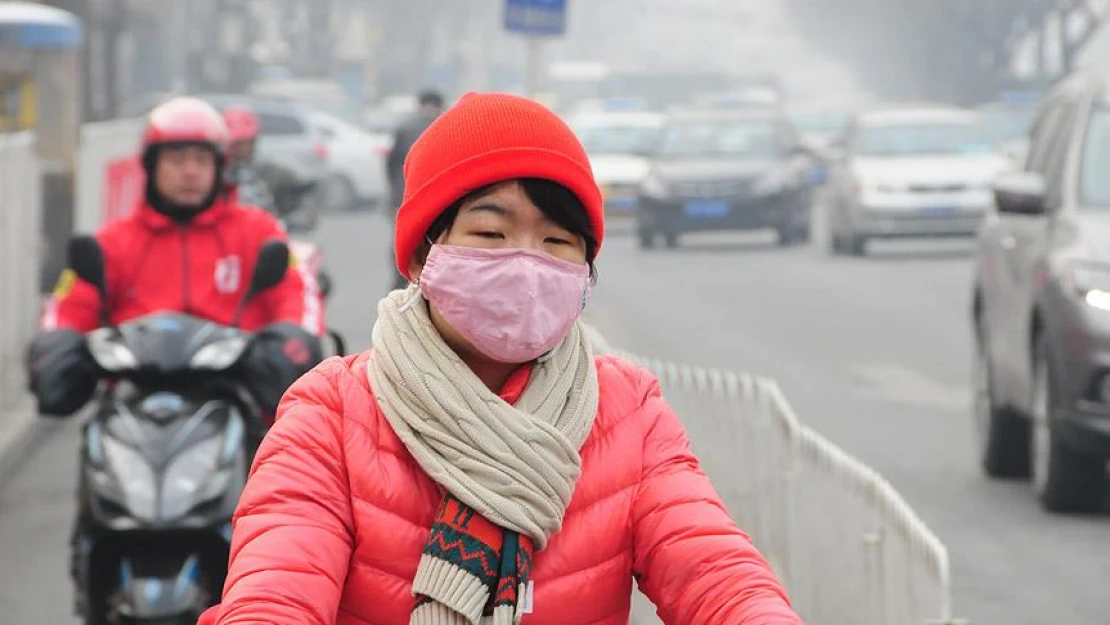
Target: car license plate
942,211
621,201
707,209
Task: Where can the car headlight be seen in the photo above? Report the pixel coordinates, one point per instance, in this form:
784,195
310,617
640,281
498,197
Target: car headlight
1092,283
881,186
193,477
134,476
653,186
770,183
109,353
219,355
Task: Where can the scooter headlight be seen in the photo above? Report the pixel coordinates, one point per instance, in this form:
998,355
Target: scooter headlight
193,477
109,353
134,476
219,355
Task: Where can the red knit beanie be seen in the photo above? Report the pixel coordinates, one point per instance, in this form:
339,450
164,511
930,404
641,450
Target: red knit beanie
484,139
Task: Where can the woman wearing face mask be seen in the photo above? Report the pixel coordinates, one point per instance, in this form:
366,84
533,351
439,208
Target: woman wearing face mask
480,464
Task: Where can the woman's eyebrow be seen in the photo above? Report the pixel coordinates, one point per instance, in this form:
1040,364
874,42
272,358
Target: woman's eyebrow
489,207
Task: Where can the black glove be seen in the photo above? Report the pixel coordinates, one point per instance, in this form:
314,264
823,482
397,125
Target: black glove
62,374
280,354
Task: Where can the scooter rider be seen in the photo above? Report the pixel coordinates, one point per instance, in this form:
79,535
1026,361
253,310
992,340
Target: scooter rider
241,174
189,246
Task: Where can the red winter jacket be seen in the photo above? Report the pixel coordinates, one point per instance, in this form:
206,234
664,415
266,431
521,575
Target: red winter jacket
203,268
333,519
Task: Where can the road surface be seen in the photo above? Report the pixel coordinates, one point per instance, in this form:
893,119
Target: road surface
873,352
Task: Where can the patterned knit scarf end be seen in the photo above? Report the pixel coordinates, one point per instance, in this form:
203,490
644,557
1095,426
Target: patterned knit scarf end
471,572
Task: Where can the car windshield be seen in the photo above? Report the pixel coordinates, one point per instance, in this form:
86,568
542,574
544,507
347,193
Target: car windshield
1095,182
924,139
721,138
618,139
820,122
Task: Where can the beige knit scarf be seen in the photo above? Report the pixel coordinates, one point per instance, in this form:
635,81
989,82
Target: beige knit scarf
515,466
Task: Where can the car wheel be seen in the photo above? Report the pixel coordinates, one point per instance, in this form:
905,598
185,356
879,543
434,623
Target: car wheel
787,236
1003,435
670,239
341,194
855,244
646,238
1065,479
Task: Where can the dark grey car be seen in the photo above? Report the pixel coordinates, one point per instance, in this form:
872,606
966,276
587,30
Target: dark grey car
726,171
1042,305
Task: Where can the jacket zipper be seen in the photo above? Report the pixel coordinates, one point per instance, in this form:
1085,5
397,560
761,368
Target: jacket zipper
185,269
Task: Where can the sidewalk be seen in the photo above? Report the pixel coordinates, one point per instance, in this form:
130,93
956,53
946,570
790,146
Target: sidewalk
16,424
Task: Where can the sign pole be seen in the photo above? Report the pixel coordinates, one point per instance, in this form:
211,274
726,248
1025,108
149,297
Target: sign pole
532,59
535,19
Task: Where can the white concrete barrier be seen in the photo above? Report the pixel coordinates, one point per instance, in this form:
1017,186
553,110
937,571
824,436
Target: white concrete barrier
20,253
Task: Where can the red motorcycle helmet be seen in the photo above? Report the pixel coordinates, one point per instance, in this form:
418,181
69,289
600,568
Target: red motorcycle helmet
185,120
242,123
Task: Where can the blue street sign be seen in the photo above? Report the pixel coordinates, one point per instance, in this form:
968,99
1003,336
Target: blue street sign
547,18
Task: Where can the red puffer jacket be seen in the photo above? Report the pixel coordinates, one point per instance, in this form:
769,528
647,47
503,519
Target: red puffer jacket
203,268
332,523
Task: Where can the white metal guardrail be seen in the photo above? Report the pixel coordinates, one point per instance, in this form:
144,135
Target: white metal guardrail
20,249
845,543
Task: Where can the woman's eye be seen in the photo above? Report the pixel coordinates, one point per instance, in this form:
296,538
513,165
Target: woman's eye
489,234
557,241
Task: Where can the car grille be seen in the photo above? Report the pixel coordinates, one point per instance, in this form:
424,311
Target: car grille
712,189
956,187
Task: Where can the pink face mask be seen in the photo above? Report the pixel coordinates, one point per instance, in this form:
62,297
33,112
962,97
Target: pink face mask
513,305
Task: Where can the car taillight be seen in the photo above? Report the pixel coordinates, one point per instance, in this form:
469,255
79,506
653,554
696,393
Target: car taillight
321,151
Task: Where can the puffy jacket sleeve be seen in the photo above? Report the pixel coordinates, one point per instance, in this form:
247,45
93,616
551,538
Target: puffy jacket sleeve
690,558
76,304
293,530
297,299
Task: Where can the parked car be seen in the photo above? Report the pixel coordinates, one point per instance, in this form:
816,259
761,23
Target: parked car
619,145
355,162
1041,309
910,172
726,170
291,155
384,117
308,93
286,138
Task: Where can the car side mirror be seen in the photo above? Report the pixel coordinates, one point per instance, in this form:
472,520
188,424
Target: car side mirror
269,271
1021,193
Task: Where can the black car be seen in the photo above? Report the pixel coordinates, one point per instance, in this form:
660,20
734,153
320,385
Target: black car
734,170
1042,305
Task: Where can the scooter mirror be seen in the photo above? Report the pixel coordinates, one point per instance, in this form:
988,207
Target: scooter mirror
86,259
269,271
